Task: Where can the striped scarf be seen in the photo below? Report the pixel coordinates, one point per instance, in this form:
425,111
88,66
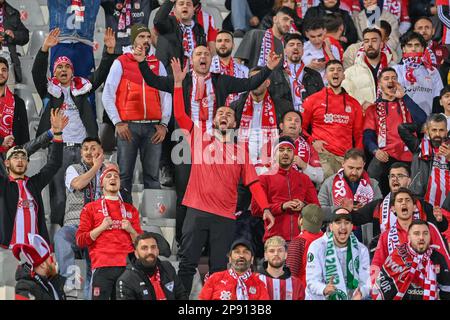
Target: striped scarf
233,69
203,101
125,15
77,6
7,106
412,61
421,272
381,111
241,288
439,180
188,42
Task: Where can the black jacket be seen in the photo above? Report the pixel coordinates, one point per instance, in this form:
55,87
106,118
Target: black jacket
366,215
39,72
419,8
21,37
9,195
349,27
134,283
37,287
20,128
223,84
420,168
280,85
258,7
170,39
281,106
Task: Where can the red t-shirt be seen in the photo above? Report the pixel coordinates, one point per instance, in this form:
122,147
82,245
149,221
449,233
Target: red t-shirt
111,248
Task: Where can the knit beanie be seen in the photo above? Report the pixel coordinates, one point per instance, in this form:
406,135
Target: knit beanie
136,29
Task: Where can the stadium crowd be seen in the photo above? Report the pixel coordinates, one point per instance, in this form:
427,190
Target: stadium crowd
307,142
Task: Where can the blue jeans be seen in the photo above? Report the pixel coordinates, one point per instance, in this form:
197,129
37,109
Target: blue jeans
65,246
240,15
149,153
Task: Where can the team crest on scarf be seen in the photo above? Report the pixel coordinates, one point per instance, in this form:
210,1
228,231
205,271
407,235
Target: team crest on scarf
268,45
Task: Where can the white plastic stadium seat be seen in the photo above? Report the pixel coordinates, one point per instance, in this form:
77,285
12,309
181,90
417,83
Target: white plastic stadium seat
98,44
36,40
30,105
30,12
158,203
100,21
217,16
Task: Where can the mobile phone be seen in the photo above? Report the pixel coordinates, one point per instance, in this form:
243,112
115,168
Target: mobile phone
321,60
355,203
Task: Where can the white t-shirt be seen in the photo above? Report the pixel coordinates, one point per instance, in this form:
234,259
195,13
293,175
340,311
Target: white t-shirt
75,131
310,53
71,174
428,85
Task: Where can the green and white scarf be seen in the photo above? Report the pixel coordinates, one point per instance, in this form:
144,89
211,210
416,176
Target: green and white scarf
333,268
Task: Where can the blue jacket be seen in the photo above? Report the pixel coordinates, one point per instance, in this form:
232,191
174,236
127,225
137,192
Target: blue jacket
65,21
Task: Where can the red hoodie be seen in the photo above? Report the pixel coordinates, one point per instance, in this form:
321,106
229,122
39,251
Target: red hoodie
111,248
284,186
326,118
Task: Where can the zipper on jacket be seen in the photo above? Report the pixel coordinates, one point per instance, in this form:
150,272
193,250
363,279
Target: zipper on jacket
290,199
145,104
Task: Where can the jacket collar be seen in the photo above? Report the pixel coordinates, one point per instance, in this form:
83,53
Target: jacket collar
286,274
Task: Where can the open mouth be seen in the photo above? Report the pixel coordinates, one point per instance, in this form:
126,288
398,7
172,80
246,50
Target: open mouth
184,12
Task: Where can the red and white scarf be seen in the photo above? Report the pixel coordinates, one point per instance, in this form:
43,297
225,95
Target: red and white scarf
189,42
268,122
155,280
396,8
297,88
267,46
439,180
233,69
125,16
301,6
2,17
241,288
388,218
303,150
124,213
26,221
203,101
381,110
205,20
412,61
78,86
340,188
7,105
382,65
77,6
421,272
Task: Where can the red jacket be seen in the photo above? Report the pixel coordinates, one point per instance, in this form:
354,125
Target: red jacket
284,186
297,254
111,248
222,286
326,118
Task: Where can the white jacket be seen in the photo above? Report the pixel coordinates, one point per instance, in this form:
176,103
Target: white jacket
359,82
315,270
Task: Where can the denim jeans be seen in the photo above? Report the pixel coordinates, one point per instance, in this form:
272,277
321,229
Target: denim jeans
65,246
57,186
150,155
240,15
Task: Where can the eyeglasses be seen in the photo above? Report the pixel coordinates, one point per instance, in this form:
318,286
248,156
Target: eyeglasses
397,176
19,157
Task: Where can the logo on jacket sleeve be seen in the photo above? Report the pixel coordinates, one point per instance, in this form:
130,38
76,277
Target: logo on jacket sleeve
225,295
252,290
170,286
310,257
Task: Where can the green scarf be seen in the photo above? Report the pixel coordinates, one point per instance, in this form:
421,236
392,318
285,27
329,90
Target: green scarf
333,268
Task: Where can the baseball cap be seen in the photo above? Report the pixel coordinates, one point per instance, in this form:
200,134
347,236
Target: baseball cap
244,243
341,213
14,150
312,216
